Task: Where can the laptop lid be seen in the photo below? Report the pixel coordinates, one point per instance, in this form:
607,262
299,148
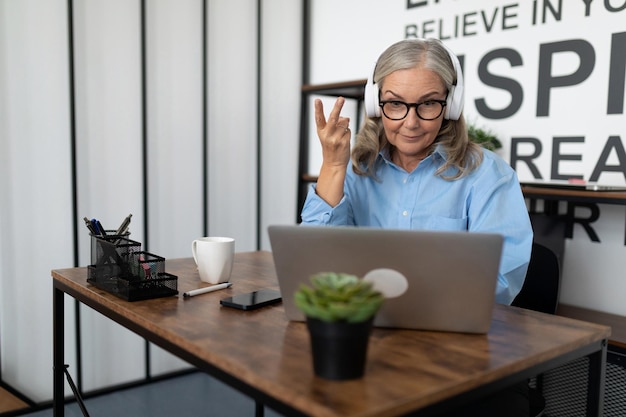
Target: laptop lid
443,281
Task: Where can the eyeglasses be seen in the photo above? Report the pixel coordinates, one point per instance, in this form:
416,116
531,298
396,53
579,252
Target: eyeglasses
426,110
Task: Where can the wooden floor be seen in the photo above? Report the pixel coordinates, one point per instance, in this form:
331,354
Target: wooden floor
9,402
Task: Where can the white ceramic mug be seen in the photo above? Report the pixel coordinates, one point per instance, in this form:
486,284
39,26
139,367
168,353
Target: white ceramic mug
214,257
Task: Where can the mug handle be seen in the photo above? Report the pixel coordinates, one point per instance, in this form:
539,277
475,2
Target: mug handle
193,251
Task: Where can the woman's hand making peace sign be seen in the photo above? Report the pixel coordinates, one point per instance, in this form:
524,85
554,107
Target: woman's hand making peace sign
334,135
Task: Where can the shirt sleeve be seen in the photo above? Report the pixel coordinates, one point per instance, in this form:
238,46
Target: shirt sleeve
316,211
499,207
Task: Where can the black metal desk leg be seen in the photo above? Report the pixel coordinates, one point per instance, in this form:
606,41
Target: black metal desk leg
596,382
259,409
58,322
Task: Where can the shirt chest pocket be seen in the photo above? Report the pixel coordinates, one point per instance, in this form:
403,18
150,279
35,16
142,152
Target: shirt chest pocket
434,222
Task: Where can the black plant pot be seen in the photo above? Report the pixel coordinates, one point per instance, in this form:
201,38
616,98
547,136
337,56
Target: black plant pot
339,349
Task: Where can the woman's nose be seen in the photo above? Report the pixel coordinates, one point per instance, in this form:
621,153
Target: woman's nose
412,119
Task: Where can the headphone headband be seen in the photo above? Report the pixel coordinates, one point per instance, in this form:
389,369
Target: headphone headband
454,102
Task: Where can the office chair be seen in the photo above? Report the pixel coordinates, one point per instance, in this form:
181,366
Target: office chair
540,292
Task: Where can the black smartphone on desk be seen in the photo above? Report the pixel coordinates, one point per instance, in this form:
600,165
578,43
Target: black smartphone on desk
252,300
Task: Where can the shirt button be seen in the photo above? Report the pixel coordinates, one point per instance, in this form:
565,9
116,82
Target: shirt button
405,213
405,180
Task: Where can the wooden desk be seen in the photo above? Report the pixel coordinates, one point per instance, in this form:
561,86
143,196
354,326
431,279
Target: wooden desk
573,194
268,358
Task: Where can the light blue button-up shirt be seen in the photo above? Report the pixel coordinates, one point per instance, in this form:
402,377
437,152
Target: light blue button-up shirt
488,200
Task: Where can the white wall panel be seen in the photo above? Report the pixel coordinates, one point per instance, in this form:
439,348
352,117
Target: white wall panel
594,271
280,111
109,158
232,121
35,207
175,123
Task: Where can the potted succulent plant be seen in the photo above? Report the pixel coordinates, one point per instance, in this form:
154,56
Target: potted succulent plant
339,310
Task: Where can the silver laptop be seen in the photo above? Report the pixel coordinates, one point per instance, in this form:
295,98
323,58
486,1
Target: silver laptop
443,281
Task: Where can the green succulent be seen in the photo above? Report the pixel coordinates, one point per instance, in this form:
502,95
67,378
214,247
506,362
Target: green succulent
338,297
483,137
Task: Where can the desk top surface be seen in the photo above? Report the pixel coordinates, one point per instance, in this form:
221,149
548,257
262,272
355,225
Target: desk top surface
406,369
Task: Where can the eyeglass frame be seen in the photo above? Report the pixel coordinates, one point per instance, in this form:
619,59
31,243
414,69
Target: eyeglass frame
443,104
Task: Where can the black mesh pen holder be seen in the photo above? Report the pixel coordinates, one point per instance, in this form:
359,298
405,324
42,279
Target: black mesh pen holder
120,267
110,256
163,285
147,278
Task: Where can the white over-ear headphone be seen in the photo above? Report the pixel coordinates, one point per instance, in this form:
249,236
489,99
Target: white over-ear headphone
454,103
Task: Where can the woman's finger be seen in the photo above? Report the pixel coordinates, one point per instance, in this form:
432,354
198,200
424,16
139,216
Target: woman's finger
320,119
333,118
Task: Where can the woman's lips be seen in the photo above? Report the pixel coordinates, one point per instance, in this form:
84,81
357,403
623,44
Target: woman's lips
411,138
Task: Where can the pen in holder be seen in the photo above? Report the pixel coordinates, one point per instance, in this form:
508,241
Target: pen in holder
110,257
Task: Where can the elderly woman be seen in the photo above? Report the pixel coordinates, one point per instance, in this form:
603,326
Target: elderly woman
413,165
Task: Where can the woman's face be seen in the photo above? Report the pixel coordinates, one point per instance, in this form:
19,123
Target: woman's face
412,136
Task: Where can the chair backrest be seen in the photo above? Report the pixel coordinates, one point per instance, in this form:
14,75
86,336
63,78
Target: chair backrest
540,291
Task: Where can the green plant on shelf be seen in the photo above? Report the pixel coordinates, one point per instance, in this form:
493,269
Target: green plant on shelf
483,137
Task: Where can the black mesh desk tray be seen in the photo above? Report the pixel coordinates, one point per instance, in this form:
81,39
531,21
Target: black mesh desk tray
119,266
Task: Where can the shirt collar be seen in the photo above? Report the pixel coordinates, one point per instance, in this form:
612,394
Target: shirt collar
385,153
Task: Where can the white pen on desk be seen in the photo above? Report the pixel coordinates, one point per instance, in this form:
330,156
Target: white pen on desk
207,289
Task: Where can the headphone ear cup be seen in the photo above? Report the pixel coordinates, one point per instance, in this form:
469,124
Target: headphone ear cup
370,96
456,95
454,103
